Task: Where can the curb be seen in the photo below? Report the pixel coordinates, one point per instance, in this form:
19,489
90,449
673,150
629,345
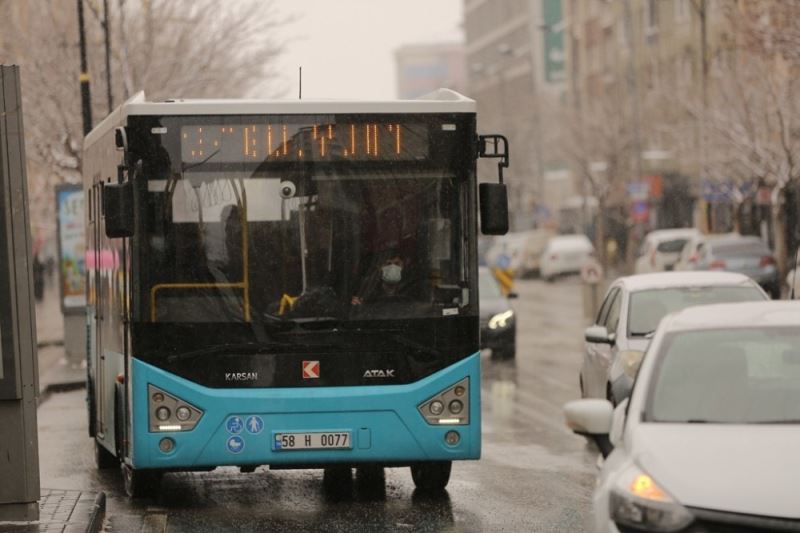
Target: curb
98,516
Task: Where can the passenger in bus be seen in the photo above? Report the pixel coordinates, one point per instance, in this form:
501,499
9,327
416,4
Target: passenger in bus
390,287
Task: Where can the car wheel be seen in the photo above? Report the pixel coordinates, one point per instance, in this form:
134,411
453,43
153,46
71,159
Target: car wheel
610,395
140,483
431,476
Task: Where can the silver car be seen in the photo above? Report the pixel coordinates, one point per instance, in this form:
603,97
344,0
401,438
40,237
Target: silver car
630,313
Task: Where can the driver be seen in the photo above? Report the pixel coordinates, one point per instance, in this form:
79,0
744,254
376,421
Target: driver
391,275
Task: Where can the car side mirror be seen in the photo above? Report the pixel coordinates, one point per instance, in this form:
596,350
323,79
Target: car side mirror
599,335
592,418
118,209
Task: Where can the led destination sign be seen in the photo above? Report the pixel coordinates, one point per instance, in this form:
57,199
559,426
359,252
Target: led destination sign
372,141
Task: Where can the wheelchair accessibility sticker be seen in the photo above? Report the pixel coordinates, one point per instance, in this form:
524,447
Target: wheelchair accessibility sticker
234,425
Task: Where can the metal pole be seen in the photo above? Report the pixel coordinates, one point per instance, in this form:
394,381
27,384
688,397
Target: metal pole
86,96
107,31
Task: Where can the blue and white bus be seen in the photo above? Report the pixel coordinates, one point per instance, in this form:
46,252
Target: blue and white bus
240,311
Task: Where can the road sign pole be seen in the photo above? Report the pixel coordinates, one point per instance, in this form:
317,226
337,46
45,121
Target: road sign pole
19,381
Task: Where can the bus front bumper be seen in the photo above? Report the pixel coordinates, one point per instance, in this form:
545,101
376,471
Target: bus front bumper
383,423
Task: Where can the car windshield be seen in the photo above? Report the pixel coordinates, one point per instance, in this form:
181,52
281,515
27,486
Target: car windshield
672,246
648,307
487,285
734,376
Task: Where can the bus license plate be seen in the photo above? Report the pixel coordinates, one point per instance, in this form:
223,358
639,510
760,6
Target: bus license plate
323,440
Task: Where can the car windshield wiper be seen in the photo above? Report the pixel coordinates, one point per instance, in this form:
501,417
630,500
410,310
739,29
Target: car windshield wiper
226,350
643,333
274,322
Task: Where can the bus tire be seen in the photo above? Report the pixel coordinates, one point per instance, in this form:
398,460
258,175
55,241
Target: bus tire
91,406
431,476
370,477
337,479
140,483
103,459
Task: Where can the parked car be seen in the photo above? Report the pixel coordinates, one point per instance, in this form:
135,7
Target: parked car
519,251
708,440
743,254
630,313
793,281
661,249
565,254
691,250
498,322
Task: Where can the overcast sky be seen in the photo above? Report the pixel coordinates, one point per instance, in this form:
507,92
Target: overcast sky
346,47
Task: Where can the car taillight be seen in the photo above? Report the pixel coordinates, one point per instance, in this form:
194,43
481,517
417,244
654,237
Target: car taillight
694,258
767,260
717,264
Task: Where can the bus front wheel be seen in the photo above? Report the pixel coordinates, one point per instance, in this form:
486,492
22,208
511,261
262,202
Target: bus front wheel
140,483
431,476
103,459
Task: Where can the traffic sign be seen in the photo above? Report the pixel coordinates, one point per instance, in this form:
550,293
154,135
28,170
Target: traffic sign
234,425
592,272
254,425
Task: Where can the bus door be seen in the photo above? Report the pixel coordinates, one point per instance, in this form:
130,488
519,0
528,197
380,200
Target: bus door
99,357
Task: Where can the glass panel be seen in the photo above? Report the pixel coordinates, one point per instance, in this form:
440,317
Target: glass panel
647,308
729,376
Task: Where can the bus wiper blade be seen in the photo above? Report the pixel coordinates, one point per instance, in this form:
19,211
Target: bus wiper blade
226,350
642,333
317,322
276,323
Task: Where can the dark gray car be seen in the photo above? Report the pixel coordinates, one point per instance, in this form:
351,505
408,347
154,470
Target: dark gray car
498,322
745,255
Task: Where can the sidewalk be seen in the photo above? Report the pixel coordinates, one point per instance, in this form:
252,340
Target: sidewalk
56,373
69,508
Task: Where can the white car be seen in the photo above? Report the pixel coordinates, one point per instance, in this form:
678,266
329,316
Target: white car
709,439
661,249
633,307
565,254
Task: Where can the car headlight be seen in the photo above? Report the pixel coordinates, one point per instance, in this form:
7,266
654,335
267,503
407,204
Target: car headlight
631,359
501,320
637,501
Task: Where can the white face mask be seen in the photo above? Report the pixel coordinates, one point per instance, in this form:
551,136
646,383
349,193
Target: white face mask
391,273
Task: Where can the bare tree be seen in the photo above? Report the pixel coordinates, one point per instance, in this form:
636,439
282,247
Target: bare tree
168,48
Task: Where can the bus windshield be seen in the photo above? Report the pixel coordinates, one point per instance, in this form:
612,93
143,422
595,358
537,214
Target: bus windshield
234,238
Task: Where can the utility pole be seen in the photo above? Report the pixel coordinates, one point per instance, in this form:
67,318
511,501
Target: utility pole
86,95
107,31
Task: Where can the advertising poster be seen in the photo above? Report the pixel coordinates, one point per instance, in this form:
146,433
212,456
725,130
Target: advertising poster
71,246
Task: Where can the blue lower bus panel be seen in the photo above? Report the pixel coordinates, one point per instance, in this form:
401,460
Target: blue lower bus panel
242,426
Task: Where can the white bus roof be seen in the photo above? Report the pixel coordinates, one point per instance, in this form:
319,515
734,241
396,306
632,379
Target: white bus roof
438,101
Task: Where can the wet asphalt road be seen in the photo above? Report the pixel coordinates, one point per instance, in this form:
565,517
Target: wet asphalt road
534,475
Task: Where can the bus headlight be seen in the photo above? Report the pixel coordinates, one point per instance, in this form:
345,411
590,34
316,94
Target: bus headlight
449,407
170,413
501,320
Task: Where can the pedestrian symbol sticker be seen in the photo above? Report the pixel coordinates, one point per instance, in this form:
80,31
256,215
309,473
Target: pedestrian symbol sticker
254,425
235,444
234,425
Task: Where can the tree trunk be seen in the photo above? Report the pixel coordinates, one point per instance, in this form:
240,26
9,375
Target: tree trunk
779,228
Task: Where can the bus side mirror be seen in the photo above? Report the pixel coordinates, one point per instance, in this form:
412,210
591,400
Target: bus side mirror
494,208
118,209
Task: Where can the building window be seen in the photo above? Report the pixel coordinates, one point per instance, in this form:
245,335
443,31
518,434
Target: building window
681,10
652,14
